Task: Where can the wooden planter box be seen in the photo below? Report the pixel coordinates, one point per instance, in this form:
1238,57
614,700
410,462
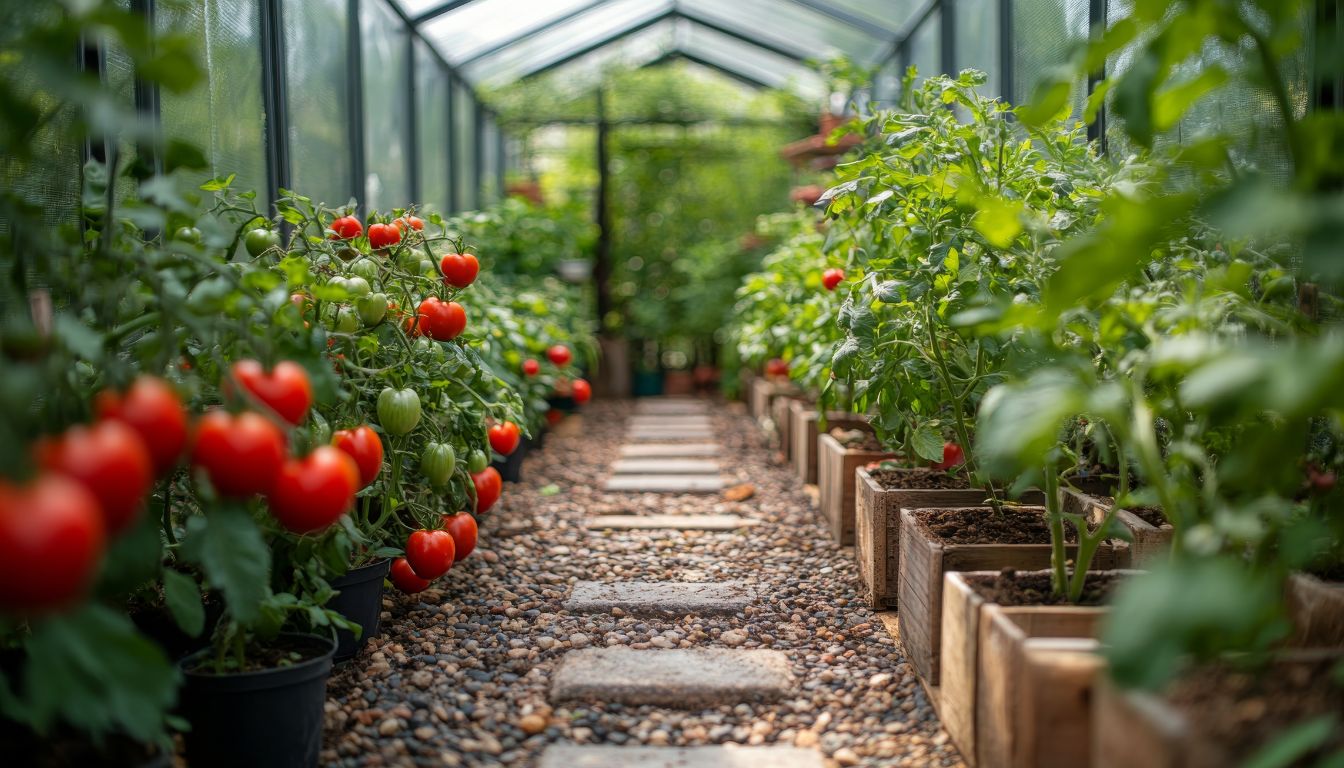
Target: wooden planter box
763,394
836,467
877,530
805,429
1149,544
923,562
781,415
1317,610
1143,730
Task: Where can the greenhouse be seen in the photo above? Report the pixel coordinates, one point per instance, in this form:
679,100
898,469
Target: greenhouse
671,383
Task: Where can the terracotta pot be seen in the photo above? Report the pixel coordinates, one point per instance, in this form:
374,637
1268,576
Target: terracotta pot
805,429
836,467
1148,544
924,559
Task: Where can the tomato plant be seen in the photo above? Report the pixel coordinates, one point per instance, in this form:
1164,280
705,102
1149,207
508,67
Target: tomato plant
504,438
459,269
430,553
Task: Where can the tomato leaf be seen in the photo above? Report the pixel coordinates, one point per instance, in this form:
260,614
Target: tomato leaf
184,600
229,548
928,443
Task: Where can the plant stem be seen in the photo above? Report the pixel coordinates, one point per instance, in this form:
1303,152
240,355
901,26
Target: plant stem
1055,518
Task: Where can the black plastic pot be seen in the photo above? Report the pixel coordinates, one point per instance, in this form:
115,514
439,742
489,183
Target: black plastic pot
565,404
360,600
270,718
539,440
511,468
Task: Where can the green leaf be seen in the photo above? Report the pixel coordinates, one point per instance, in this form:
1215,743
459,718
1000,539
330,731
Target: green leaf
1295,744
1049,101
999,220
928,443
219,183
888,292
229,548
184,601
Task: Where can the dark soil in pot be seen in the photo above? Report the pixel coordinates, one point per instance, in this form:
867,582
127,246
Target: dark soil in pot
1246,709
360,600
266,716
1150,515
1012,588
917,479
982,525
1330,573
857,440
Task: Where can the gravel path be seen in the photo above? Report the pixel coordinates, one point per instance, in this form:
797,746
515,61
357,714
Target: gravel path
460,674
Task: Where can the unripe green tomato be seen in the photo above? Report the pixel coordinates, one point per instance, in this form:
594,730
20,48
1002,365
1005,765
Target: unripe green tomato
409,259
477,461
437,463
357,286
365,268
187,235
258,241
398,410
347,320
346,253
371,308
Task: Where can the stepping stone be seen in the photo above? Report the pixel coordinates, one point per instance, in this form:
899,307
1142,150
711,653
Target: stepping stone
671,406
718,756
655,434
696,423
665,467
671,522
685,678
664,483
674,598
651,450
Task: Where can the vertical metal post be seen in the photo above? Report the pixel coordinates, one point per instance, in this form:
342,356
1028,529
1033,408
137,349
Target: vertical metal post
354,88
478,153
147,96
454,201
1096,130
948,36
412,126
1007,79
501,160
273,94
602,262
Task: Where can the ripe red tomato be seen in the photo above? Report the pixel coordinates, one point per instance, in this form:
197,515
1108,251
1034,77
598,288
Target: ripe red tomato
383,236
51,539
414,222
554,416
440,320
489,485
153,410
776,367
404,579
311,493
531,367
583,391
953,456
111,461
430,553
347,227
285,389
364,446
559,354
504,438
462,527
459,269
832,277
240,454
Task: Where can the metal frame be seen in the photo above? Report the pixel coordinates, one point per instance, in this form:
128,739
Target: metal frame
678,53
439,10
841,15
530,33
274,96
354,41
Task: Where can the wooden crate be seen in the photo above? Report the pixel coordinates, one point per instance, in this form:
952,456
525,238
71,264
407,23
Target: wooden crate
1037,668
1142,730
924,560
781,416
877,528
836,466
763,393
1149,544
1317,610
805,428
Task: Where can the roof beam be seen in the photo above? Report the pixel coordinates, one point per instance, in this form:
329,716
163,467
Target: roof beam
741,77
616,36
779,49
439,10
839,14
529,33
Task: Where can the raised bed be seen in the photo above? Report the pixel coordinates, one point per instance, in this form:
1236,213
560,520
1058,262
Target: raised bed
836,468
1149,544
805,429
877,528
763,393
1143,730
1317,610
925,558
780,413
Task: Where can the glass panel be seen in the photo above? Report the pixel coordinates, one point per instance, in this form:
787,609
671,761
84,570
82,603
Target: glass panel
887,84
490,168
790,26
431,113
483,23
571,37
892,14
762,65
978,40
464,147
1045,33
633,51
315,65
926,46
386,158
414,8
225,114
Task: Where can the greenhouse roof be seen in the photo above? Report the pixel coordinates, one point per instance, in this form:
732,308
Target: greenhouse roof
765,43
